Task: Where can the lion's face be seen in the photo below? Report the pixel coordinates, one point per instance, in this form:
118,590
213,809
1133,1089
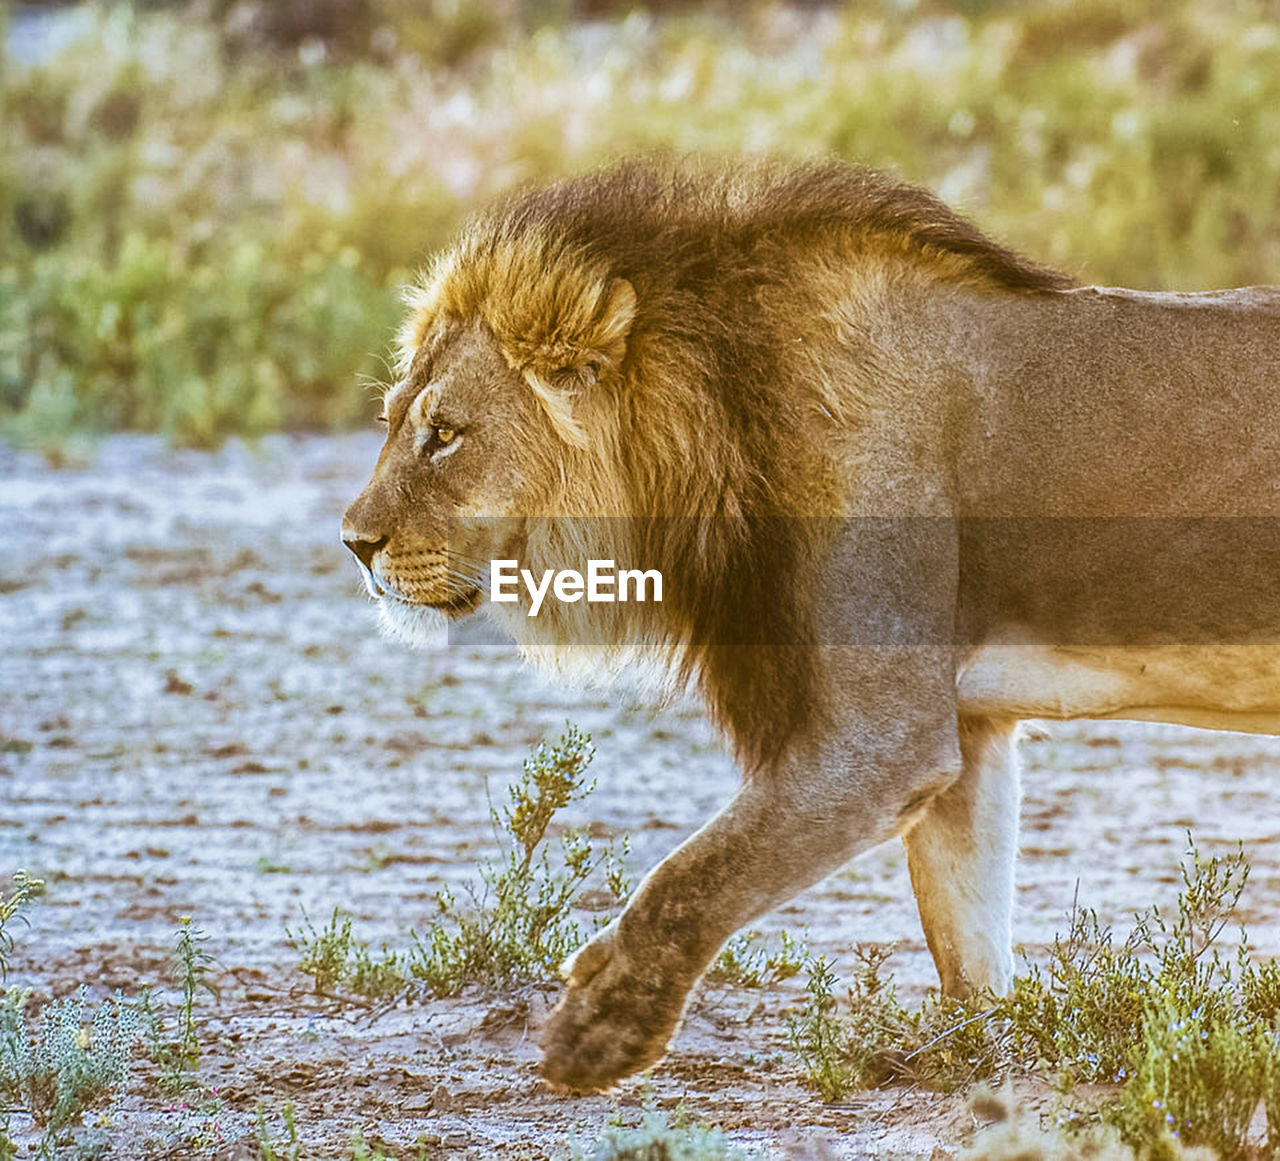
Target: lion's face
462,434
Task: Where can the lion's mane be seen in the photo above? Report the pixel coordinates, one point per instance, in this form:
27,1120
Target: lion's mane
672,320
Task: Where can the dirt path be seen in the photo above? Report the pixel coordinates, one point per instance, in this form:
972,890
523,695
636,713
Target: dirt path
197,718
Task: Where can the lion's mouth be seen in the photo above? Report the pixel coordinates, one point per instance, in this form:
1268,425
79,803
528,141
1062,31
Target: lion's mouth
458,605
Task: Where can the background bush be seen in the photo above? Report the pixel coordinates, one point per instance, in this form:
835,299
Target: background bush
206,210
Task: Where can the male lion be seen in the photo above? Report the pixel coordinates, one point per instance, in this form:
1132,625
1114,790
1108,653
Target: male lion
905,488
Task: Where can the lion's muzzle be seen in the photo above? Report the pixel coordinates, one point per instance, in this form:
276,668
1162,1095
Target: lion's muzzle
365,549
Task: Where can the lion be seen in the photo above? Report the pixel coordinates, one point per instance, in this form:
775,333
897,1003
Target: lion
906,488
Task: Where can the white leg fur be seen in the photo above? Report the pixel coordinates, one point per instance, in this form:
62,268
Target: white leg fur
961,855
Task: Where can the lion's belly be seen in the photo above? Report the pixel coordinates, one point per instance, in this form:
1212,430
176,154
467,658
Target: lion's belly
1234,687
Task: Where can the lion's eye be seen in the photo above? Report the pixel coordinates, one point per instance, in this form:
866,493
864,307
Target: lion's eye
438,437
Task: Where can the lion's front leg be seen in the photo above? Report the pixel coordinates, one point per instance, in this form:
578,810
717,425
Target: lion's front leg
627,987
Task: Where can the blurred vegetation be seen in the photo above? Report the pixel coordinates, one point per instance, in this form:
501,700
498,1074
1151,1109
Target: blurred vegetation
206,209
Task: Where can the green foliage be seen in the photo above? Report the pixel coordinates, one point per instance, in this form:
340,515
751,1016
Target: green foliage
203,224
75,1060
65,1059
178,1054
841,1053
747,962
661,1138
342,965
25,888
519,925
818,1037
288,1150
242,342
1188,1034
1198,1078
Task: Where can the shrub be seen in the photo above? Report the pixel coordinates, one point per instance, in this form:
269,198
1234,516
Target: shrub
75,1060
204,236
1190,1035
25,888
342,965
67,1058
748,962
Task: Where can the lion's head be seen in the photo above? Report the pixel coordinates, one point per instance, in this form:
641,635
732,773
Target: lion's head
497,434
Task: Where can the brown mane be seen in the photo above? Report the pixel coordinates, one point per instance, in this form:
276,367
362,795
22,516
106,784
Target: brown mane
688,293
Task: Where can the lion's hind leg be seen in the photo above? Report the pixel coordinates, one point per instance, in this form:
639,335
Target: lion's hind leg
961,856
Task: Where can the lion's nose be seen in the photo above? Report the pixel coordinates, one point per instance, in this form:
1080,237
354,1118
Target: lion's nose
362,546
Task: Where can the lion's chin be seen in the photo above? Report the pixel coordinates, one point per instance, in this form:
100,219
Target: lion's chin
423,626
418,626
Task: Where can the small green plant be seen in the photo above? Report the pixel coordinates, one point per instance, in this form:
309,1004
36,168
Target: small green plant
75,1059
343,965
748,962
25,888
660,1137
837,1053
520,923
190,971
291,1148
177,1051
817,1036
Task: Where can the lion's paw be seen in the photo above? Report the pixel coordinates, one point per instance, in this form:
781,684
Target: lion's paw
583,964
611,1021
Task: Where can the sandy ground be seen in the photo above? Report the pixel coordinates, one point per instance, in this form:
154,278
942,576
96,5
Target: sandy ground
197,718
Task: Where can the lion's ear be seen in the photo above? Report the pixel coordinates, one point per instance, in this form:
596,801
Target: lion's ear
615,319
600,347
574,378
